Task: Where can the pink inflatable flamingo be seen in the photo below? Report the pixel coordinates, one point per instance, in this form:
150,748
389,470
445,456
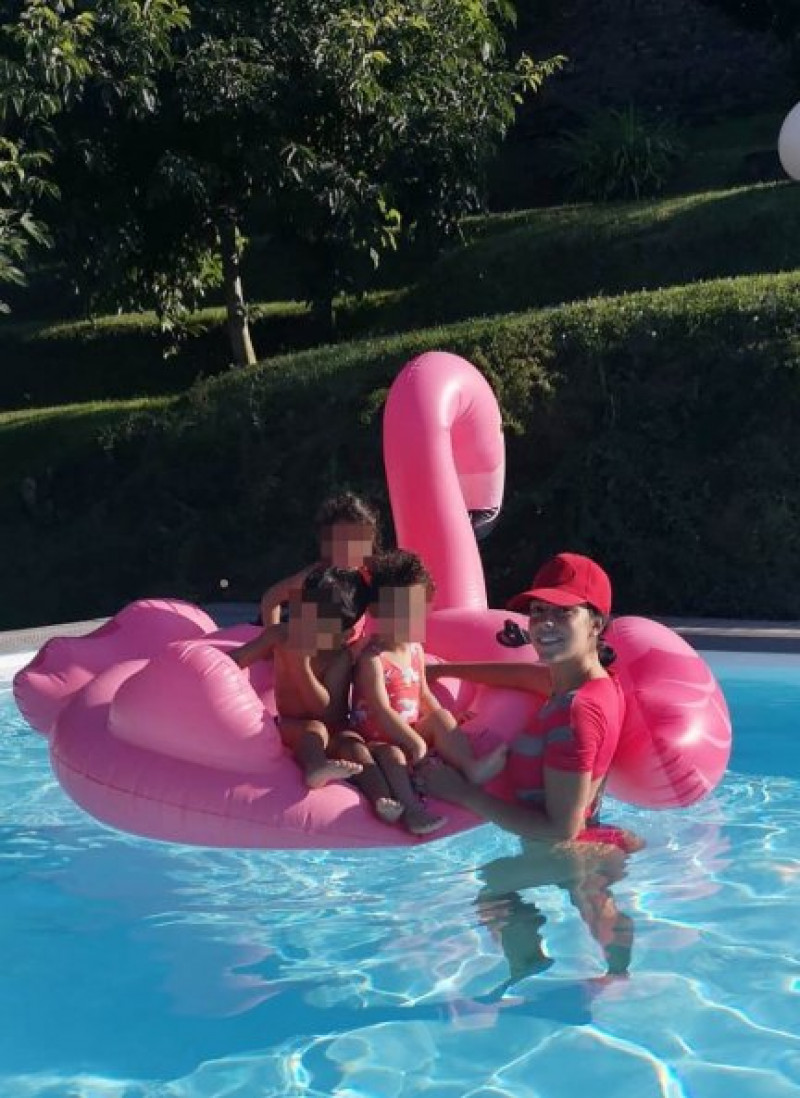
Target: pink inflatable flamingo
154,730
444,455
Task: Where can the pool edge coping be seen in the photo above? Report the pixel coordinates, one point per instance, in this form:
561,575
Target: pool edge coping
719,634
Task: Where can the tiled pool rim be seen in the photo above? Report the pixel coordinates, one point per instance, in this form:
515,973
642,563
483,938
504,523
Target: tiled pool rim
718,634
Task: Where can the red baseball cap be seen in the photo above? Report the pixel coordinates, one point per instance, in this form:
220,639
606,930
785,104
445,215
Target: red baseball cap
568,580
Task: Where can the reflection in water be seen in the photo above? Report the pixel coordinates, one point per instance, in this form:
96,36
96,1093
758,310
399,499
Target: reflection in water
586,874
141,970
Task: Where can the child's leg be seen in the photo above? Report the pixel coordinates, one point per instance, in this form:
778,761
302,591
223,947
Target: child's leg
308,742
416,817
440,728
337,679
349,745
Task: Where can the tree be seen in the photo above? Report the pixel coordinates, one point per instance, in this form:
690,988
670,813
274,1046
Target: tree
341,124
49,52
20,184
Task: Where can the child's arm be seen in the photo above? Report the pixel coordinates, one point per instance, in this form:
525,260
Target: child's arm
260,648
278,593
369,677
428,701
509,676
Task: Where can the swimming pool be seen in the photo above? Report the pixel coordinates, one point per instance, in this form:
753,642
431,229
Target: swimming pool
139,970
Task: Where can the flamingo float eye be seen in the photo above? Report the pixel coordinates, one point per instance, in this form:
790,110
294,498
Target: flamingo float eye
483,520
512,635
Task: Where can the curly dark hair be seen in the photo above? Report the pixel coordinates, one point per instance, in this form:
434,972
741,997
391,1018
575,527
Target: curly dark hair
397,568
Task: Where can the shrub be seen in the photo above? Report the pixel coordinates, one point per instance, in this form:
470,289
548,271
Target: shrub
619,154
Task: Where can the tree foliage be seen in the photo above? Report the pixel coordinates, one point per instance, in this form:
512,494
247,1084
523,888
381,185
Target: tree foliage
21,184
51,51
343,125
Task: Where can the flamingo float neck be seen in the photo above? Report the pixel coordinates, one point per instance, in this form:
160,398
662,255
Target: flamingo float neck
445,457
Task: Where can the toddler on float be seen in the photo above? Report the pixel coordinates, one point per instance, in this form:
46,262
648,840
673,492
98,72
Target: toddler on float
347,528
395,719
313,668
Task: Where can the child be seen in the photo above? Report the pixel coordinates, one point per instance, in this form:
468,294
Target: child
348,534
394,715
313,669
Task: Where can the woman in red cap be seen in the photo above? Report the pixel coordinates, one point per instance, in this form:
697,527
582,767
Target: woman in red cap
556,772
557,768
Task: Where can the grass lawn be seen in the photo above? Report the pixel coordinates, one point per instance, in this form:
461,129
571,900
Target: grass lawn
35,439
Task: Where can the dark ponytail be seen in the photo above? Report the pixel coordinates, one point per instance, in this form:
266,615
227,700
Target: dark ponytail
605,653
342,593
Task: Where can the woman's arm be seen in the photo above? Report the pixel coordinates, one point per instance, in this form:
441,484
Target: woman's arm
371,687
429,703
534,677
563,818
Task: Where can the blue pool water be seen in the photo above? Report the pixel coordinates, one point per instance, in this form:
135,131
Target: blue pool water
138,970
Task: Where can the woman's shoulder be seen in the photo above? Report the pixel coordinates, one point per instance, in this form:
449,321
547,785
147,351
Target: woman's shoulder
604,693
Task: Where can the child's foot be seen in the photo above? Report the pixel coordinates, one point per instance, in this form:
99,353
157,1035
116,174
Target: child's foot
334,770
419,821
488,766
388,809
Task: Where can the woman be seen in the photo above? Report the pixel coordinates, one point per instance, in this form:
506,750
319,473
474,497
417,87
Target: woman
557,769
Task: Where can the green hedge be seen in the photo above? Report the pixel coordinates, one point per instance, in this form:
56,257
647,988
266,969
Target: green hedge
514,262
656,430
123,356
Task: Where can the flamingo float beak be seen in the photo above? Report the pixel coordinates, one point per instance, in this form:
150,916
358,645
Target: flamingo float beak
483,520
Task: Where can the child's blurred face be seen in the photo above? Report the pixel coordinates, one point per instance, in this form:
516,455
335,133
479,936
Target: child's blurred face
347,544
312,628
402,612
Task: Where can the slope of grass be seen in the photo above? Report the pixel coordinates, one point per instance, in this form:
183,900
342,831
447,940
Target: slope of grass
568,253
40,439
510,262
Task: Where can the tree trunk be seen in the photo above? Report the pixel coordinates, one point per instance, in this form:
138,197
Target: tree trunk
238,327
323,316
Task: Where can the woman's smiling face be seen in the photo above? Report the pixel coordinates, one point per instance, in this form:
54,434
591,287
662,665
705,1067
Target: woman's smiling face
562,632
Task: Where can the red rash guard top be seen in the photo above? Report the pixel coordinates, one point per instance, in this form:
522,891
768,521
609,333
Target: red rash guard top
578,731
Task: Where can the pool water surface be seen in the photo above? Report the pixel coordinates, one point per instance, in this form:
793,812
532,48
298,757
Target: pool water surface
135,969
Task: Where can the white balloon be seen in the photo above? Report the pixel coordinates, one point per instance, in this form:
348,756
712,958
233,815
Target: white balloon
789,143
